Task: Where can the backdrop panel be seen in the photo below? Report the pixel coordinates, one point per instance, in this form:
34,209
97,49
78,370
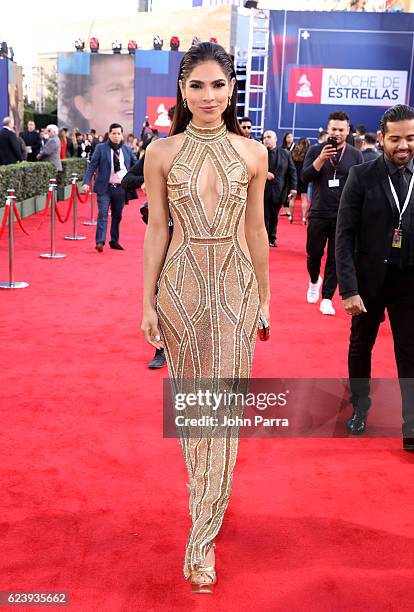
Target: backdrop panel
319,62
155,87
15,91
4,97
95,90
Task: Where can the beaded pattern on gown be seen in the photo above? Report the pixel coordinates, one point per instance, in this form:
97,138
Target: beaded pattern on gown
208,306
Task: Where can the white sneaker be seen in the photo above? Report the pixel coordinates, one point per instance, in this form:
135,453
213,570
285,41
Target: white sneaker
313,291
326,307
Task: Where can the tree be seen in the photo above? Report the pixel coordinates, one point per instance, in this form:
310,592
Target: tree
51,94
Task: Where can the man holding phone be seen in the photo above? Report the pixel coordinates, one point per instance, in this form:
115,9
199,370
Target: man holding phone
327,166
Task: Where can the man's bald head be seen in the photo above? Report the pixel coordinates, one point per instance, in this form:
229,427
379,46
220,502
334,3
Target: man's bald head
270,139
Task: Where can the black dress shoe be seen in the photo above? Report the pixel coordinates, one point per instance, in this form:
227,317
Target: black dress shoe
116,245
408,444
273,243
357,424
99,247
158,360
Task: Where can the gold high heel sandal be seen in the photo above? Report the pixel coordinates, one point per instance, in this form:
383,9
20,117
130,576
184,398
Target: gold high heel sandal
203,579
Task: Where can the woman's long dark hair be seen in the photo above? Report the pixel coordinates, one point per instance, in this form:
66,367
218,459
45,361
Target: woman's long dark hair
284,143
299,152
204,52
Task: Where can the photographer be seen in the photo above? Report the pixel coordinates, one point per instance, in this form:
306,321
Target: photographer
327,167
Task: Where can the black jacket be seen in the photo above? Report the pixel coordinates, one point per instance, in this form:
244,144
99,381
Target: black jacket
134,178
365,228
325,199
10,148
32,139
284,170
370,154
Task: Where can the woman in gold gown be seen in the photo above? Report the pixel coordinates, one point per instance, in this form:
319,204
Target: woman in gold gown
204,290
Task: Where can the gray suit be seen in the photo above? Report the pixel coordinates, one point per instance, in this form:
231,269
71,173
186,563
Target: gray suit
51,152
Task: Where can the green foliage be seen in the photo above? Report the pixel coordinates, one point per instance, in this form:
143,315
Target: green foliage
27,179
32,178
72,164
51,93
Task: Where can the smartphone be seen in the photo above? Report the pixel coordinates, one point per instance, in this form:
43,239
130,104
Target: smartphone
264,329
333,142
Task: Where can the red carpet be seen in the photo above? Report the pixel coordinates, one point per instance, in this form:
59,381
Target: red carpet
93,498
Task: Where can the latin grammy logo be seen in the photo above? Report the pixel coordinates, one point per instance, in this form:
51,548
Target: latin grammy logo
304,88
162,119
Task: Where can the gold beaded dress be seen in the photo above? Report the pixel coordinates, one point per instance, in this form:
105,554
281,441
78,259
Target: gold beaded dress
208,307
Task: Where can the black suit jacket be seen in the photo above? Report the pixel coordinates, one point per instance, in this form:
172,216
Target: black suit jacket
134,178
32,139
365,228
282,166
10,148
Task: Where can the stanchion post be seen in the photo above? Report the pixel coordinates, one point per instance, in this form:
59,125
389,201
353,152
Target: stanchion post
52,254
75,236
12,284
92,221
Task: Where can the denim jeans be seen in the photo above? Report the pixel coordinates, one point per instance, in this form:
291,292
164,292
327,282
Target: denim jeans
114,197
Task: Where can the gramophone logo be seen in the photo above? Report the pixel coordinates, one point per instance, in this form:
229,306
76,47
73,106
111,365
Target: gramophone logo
305,84
157,111
304,90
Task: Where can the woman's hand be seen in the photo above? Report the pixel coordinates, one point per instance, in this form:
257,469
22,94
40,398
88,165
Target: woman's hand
264,307
150,327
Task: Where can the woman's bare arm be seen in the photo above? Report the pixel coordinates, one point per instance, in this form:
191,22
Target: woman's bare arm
255,231
156,236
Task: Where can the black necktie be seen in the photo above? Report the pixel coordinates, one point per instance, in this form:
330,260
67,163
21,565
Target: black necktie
117,164
402,182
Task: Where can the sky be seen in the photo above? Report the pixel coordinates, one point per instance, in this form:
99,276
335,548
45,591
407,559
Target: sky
22,20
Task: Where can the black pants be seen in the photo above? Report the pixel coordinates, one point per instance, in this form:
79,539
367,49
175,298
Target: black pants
321,231
114,197
397,296
271,213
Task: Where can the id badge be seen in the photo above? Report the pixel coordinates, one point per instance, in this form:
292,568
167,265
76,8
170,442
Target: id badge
397,239
333,183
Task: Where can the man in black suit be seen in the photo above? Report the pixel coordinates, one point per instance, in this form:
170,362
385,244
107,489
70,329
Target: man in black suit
281,174
375,263
10,148
32,141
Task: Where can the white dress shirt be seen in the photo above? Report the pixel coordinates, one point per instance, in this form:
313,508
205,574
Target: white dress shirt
116,177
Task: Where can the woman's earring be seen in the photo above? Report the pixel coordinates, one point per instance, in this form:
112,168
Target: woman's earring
229,104
185,102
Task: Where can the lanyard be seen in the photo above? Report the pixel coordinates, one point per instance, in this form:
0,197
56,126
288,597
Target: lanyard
407,199
336,164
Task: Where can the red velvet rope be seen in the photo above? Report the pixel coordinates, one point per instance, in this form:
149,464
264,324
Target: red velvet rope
82,198
43,214
71,198
4,222
19,219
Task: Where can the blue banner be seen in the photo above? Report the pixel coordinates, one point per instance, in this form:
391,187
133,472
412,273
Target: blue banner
4,98
361,63
156,74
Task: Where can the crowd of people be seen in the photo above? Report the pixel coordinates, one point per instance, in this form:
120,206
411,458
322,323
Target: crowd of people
33,144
